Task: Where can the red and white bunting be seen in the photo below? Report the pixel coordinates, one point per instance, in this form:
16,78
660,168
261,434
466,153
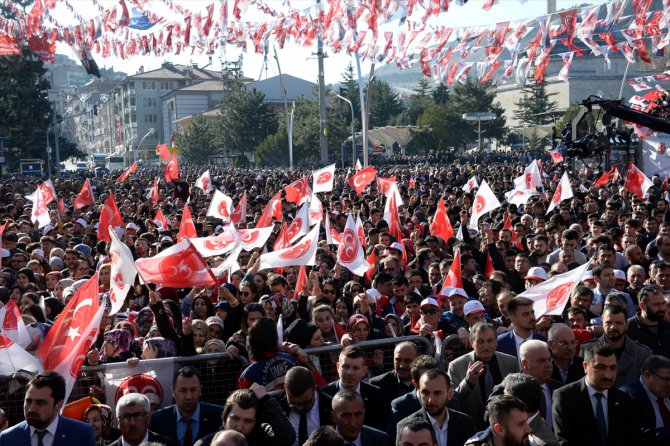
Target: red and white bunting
302,253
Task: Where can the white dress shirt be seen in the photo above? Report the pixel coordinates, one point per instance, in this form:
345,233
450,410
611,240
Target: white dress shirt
440,431
594,402
654,403
313,420
145,440
49,438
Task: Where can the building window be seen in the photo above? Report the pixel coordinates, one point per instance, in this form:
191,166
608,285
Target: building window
155,118
153,85
153,101
144,85
146,118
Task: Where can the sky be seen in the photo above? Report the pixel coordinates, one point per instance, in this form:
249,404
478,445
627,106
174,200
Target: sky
299,61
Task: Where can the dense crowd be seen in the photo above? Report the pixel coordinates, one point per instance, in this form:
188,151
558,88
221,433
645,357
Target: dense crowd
497,374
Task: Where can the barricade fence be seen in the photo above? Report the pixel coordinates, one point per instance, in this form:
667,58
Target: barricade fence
219,373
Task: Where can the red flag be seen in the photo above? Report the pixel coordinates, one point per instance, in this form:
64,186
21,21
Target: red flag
186,227
515,237
161,218
372,259
604,179
273,209
85,197
453,279
70,338
109,216
489,266
664,186
300,282
179,266
636,182
556,156
154,195
61,206
281,241
127,172
171,169
394,220
298,190
441,226
412,184
384,184
361,179
239,215
162,150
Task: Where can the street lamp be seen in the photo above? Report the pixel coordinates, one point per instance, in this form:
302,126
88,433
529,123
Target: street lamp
353,133
149,133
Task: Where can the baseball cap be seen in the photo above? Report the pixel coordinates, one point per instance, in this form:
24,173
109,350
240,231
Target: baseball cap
458,292
536,273
47,229
473,306
397,246
82,222
132,226
619,275
166,238
429,301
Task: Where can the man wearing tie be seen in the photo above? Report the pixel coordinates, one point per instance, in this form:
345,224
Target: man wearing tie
305,406
45,395
592,411
348,414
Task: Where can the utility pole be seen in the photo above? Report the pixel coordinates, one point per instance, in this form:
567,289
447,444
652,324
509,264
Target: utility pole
323,130
57,153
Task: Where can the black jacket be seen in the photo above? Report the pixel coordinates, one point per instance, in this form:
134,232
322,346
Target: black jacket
460,427
325,405
376,414
659,343
153,437
164,421
651,435
391,387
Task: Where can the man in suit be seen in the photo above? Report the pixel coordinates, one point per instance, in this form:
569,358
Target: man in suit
520,311
189,419
652,404
348,414
305,406
528,390
567,367
508,423
452,428
351,369
132,411
417,432
475,374
592,411
45,395
630,354
648,327
398,381
536,362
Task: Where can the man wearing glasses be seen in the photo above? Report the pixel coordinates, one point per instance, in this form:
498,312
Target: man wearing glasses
133,412
430,323
563,346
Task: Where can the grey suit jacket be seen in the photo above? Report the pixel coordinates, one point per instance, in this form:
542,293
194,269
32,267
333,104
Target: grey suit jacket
471,397
542,435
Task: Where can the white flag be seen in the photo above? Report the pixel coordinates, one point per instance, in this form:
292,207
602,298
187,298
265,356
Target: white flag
315,210
300,224
519,196
221,206
14,358
350,253
216,245
302,253
551,295
485,201
146,377
322,179
563,192
40,212
204,182
229,265
470,185
254,238
531,177
12,325
123,272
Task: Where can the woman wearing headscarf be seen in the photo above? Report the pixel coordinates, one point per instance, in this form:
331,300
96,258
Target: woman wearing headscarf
116,347
24,277
100,416
214,373
52,308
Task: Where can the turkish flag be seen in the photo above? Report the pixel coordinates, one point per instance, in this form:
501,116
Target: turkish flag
239,215
636,182
48,191
322,179
453,279
563,192
179,266
515,236
489,266
40,212
441,226
604,179
85,197
300,282
14,358
384,184
12,325
216,245
128,171
350,253
298,191
61,206
204,182
123,272
302,253
153,193
161,219
70,338
171,170
162,150
361,179
186,226
254,238
551,295
273,209
221,206
109,216
412,183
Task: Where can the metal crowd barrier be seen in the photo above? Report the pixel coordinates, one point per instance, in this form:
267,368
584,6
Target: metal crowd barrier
218,379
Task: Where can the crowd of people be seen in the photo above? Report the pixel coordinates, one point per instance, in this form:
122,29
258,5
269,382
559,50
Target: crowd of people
498,374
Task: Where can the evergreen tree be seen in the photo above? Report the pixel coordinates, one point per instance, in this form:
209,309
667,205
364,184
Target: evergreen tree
385,104
198,143
534,104
440,94
349,89
419,101
473,97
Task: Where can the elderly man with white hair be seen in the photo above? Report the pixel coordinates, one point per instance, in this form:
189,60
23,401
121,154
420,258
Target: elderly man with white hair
567,366
536,362
133,411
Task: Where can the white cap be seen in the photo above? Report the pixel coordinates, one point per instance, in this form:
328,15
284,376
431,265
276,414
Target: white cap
119,231
396,246
166,238
473,306
537,273
458,292
39,252
373,294
428,302
619,275
47,229
132,226
82,222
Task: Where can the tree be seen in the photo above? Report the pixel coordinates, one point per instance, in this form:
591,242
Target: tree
441,128
198,143
349,89
245,120
570,114
419,101
534,105
473,97
385,104
273,151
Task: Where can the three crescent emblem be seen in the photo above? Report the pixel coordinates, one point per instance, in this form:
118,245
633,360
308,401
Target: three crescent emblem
349,246
297,251
324,177
480,204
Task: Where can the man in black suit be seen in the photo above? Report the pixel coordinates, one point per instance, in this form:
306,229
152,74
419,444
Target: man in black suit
398,381
351,369
417,432
592,411
132,411
451,428
189,419
306,407
567,367
652,404
348,414
536,362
